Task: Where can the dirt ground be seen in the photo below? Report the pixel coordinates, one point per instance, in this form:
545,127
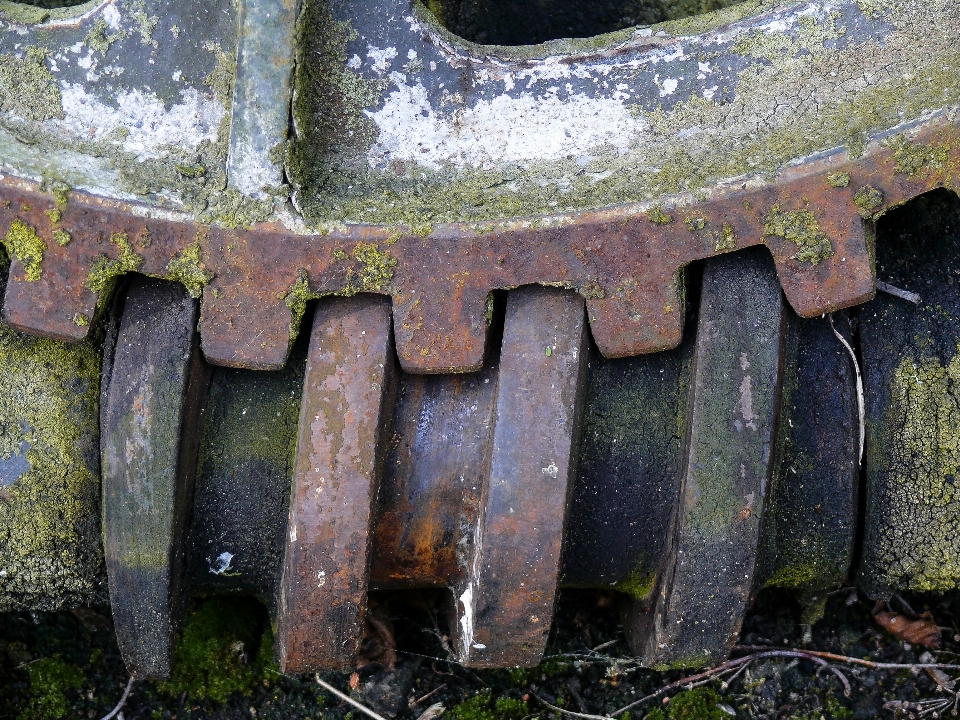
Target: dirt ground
68,665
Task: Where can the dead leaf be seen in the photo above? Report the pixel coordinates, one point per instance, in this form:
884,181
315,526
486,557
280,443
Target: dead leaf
922,631
354,681
378,644
434,711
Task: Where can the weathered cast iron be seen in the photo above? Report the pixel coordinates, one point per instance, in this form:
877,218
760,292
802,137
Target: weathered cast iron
494,237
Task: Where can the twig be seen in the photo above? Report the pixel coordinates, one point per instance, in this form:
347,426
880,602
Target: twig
860,403
123,698
346,698
605,645
849,660
571,713
897,292
429,694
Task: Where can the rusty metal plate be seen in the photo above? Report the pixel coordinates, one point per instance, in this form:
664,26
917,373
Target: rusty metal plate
150,417
624,263
707,572
344,425
505,604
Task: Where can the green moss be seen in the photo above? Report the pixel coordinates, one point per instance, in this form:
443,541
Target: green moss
104,270
794,576
868,201
27,88
838,179
801,228
187,267
50,551
639,583
62,237
50,681
695,224
696,704
481,707
24,244
98,40
81,320
54,214
192,171
221,650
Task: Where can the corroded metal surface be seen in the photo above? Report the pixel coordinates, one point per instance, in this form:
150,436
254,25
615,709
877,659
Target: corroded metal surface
505,604
707,574
344,425
150,417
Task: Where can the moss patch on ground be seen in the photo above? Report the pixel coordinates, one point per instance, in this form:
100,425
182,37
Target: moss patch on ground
225,647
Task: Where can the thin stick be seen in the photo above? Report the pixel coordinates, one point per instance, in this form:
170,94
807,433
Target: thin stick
897,292
123,699
849,660
860,403
605,645
346,698
429,694
571,713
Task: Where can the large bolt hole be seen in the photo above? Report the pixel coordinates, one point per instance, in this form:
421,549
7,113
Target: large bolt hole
528,22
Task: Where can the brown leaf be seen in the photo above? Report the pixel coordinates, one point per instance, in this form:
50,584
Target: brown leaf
378,644
354,681
922,631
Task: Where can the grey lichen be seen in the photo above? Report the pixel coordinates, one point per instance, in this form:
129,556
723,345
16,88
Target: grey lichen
98,39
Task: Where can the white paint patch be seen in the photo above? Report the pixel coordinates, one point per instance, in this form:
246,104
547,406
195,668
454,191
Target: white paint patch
504,129
222,563
112,16
466,619
551,470
669,87
381,58
150,126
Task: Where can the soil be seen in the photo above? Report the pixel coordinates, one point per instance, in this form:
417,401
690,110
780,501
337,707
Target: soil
68,665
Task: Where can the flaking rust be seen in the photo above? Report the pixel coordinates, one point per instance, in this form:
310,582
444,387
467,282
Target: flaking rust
627,266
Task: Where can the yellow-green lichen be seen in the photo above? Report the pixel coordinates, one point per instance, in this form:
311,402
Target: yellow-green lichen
61,237
917,543
375,271
297,299
695,224
26,246
910,158
54,214
50,551
657,216
868,200
98,40
104,270
220,79
726,239
838,179
801,228
81,320
187,267
27,88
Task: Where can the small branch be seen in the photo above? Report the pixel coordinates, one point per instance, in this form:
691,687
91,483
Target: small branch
123,698
861,407
849,660
429,694
347,699
897,292
605,645
571,713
